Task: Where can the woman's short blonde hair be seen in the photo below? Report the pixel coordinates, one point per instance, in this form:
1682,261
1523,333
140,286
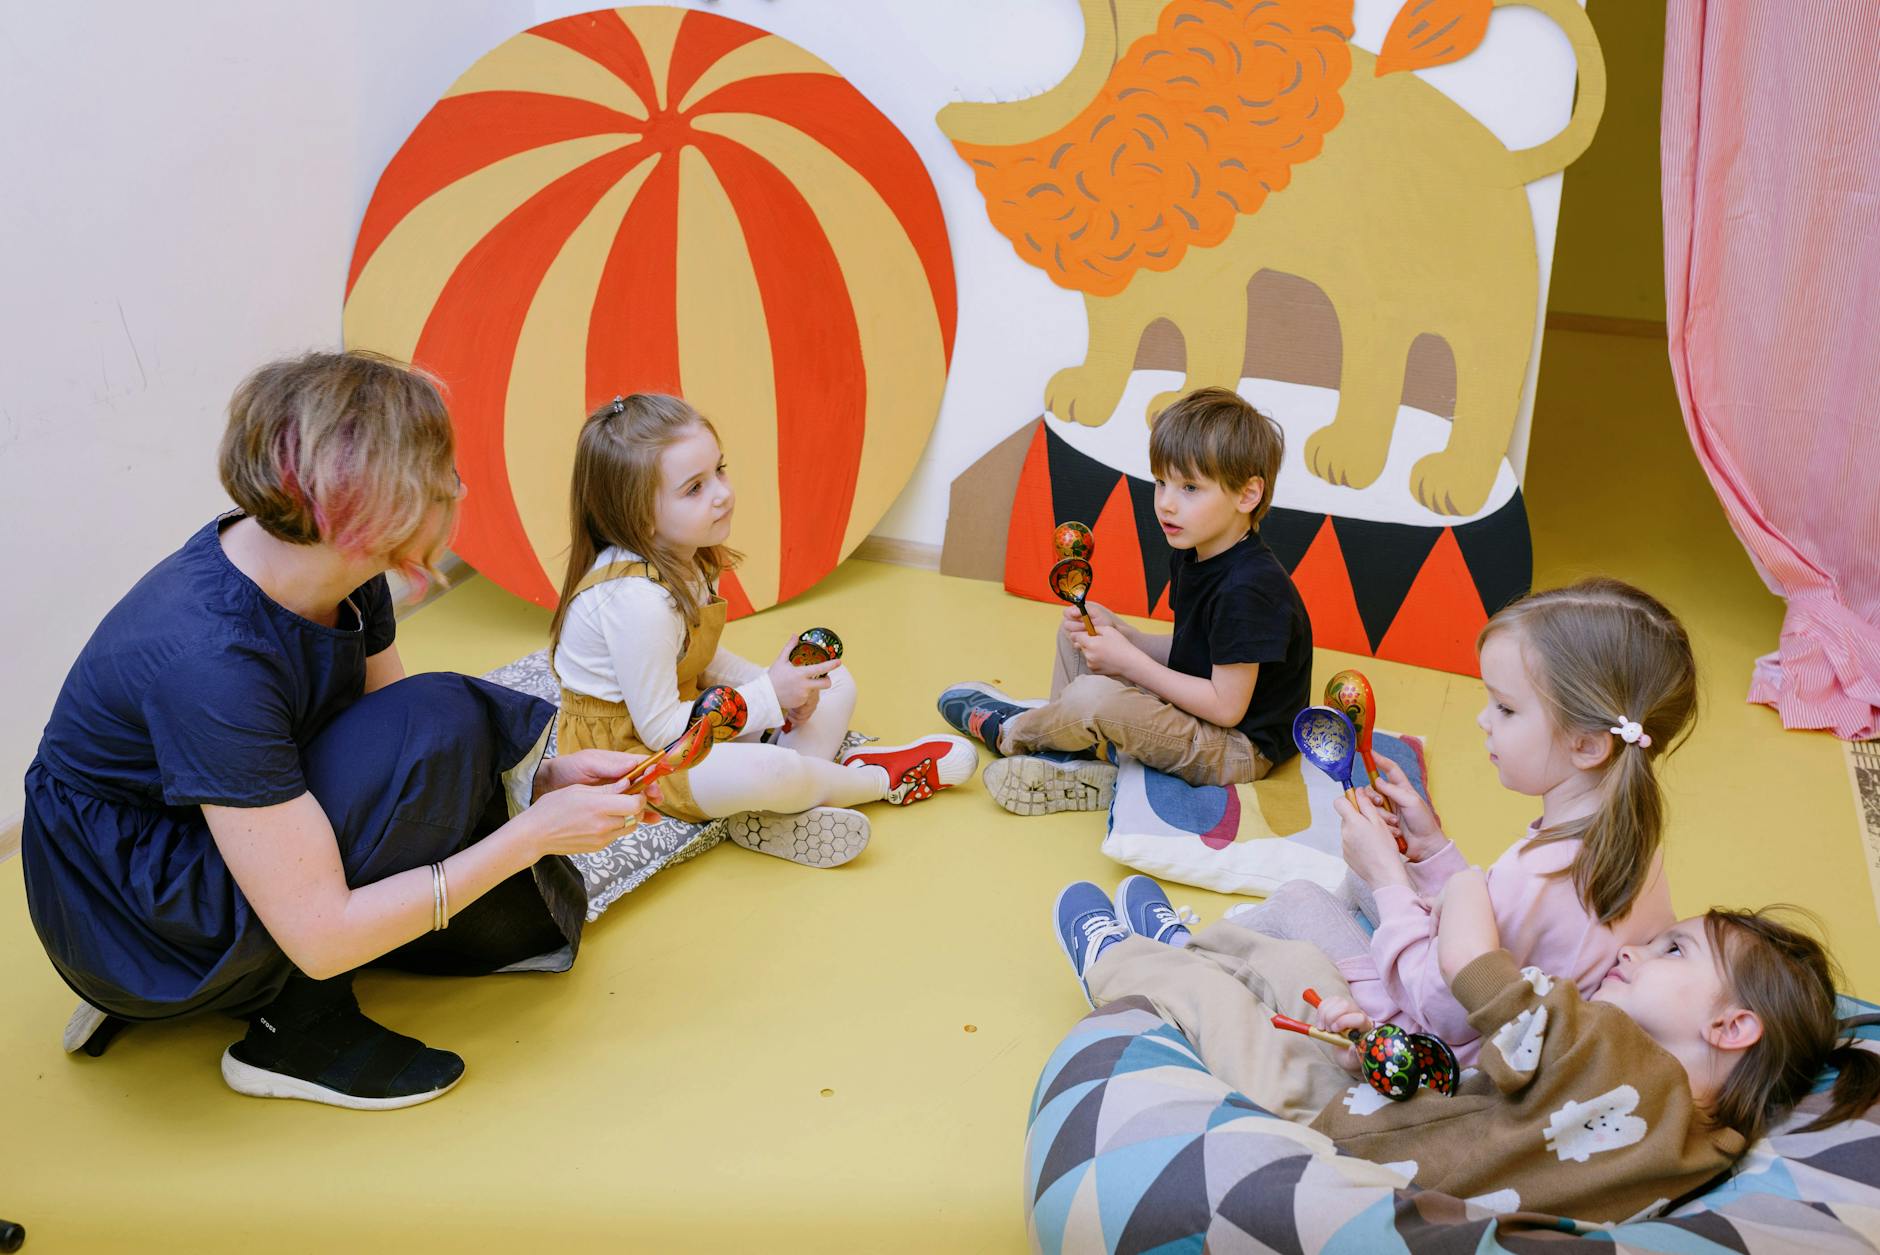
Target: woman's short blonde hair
351,449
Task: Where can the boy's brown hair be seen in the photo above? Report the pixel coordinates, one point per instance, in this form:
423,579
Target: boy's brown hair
1214,433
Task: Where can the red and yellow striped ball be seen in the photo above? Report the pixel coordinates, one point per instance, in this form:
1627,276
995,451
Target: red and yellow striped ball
660,199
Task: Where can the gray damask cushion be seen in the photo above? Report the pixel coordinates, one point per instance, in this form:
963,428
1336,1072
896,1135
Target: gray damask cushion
625,865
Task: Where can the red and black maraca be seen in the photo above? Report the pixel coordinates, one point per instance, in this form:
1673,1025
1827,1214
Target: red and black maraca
1394,1063
813,645
817,644
1074,540
717,715
1072,575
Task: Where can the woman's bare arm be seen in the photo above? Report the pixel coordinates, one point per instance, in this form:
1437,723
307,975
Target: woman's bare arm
286,860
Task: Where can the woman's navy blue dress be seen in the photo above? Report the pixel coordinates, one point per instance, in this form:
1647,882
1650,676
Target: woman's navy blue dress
198,689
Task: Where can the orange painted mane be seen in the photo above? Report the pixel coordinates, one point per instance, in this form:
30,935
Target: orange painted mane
1194,126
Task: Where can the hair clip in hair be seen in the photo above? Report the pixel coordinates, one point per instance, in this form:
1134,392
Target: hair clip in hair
1631,733
618,406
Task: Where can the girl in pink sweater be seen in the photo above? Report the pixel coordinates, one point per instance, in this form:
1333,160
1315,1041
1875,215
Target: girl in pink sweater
1588,687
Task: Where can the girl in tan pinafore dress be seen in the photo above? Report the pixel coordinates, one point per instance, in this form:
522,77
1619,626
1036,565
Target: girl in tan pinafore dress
636,638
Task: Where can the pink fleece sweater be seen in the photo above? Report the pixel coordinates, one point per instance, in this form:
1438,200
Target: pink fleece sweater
1542,924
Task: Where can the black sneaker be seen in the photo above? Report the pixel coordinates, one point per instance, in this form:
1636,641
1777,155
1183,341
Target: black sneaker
314,1043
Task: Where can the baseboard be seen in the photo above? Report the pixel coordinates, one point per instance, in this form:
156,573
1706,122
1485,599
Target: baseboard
899,552
10,838
1600,324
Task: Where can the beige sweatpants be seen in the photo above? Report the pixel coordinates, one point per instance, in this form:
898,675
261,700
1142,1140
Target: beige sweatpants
1087,710
1220,989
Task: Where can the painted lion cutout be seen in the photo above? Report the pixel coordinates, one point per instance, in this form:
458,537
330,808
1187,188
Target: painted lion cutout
1200,142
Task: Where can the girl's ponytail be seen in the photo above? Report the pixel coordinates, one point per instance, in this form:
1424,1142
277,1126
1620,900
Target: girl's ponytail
1856,1086
1619,839
1787,978
1611,661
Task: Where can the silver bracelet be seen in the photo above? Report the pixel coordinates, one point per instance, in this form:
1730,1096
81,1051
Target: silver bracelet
443,884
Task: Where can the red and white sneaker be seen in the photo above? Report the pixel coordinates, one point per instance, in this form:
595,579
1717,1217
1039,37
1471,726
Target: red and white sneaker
919,769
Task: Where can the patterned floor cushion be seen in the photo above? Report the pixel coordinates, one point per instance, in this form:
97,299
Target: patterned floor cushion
1134,1146
624,866
1250,838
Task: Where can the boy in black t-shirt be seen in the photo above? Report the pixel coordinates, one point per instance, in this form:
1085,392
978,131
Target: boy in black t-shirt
1212,703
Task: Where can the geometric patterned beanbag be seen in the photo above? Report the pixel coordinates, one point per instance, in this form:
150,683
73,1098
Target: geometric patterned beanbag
1134,1146
1245,838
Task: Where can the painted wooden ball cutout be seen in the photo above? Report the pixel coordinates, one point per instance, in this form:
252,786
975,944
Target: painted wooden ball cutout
662,199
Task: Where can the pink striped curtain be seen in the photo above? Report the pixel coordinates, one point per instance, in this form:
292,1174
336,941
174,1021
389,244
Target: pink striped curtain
1771,159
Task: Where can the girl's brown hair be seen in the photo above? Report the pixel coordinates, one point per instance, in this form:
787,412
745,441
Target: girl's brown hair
1787,978
352,449
1601,651
610,501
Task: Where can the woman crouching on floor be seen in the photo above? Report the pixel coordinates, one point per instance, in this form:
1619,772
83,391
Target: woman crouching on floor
239,799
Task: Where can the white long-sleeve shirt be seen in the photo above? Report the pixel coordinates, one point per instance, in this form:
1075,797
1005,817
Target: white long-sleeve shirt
622,641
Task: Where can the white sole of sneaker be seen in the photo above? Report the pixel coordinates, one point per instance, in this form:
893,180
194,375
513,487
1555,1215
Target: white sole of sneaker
245,1078
823,836
85,1021
1026,785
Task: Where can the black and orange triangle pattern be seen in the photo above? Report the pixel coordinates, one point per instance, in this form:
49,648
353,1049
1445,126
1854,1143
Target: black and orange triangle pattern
1403,591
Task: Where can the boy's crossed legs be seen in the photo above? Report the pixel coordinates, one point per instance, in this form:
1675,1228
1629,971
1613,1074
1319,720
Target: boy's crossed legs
1052,754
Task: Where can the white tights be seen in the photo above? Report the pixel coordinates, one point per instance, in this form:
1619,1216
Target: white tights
797,772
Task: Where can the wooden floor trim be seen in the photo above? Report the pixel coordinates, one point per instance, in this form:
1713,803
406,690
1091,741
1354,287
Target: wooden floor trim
1600,324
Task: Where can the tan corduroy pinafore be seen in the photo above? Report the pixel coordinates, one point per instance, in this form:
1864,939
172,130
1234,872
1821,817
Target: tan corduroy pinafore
591,723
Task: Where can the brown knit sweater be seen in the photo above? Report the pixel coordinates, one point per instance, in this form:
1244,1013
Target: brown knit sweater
1574,1112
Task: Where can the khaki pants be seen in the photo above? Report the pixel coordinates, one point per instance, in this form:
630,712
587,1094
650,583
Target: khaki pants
1086,711
1220,989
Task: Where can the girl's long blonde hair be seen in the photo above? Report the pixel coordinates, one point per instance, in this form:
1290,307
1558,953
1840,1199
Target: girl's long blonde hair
611,495
1599,652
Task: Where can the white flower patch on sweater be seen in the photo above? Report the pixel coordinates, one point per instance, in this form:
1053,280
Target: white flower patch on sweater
1519,1040
1362,1100
1580,1130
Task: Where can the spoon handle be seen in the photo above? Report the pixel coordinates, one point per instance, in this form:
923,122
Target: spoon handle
1316,1034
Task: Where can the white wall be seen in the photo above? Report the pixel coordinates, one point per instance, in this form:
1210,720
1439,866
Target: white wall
180,185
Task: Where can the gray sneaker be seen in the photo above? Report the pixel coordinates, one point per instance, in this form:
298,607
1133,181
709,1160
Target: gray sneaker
822,836
1029,784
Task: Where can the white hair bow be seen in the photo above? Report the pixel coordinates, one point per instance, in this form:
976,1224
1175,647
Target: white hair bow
1631,733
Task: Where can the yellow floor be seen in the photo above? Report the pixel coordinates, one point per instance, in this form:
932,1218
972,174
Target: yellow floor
751,1056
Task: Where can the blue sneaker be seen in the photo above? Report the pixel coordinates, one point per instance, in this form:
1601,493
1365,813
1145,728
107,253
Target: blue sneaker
1086,926
978,711
1145,910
